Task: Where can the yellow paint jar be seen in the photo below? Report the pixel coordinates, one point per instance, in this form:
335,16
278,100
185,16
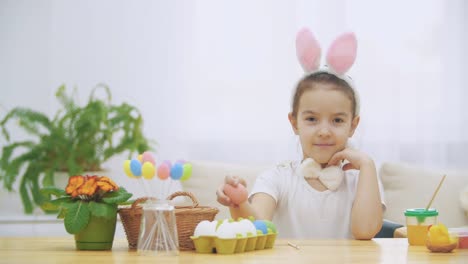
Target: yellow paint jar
417,222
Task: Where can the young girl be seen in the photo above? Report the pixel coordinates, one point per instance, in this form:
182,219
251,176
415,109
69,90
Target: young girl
333,192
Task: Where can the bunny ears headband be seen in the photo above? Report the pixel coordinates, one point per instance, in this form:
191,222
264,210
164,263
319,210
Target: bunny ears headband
340,56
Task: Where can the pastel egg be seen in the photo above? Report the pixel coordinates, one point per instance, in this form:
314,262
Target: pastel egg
163,171
148,170
135,167
187,172
127,169
168,162
237,194
270,225
261,225
177,171
148,157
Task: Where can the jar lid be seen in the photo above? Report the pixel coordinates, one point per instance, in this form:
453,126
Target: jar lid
421,212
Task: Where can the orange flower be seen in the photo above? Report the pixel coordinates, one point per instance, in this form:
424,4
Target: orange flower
74,183
107,184
89,187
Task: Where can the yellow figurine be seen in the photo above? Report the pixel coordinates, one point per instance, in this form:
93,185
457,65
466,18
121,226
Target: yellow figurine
439,239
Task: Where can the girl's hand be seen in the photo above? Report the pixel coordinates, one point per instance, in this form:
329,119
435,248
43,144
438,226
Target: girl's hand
222,198
356,159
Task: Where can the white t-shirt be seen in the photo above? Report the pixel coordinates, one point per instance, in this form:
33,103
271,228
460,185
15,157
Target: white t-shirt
302,211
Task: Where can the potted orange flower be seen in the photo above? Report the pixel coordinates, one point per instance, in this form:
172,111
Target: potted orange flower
88,206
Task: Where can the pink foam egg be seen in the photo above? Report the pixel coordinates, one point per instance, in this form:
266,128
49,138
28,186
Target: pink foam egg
237,194
148,157
163,171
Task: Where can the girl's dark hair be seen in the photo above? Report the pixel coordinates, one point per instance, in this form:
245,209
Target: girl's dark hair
307,83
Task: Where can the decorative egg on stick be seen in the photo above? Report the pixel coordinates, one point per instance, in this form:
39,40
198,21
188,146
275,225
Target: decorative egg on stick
164,171
144,167
133,169
187,168
148,157
177,171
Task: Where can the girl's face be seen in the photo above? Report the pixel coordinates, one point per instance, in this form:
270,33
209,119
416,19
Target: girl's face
324,122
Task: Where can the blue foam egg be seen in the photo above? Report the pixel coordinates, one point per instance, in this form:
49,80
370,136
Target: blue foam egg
135,167
177,171
261,225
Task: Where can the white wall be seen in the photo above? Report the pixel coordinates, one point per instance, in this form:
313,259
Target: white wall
213,79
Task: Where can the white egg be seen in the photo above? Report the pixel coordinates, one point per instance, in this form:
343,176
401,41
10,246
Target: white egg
248,227
205,228
238,229
226,231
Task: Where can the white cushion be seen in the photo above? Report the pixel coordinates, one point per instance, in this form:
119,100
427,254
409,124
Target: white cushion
409,186
207,176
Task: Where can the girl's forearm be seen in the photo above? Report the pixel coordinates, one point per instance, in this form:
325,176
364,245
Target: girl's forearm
367,213
244,210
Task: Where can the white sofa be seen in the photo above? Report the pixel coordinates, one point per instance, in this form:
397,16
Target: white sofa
405,186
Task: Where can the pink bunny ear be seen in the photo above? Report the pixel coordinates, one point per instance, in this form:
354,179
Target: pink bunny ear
342,53
307,50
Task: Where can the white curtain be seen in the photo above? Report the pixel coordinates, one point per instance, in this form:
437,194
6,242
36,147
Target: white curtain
214,78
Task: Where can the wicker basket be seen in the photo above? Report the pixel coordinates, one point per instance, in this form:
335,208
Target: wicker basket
187,218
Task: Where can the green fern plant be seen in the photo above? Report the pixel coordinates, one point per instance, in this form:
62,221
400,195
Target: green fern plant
77,139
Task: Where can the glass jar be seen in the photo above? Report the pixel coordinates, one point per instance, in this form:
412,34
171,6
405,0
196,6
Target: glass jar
158,229
418,221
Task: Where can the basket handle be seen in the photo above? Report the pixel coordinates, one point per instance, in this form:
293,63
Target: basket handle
142,200
189,194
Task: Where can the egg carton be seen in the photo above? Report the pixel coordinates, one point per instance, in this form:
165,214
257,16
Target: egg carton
213,244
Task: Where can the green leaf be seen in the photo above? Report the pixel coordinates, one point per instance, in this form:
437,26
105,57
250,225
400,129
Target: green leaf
103,210
77,217
38,197
64,99
25,198
48,206
57,203
64,205
53,191
48,179
117,197
62,212
28,119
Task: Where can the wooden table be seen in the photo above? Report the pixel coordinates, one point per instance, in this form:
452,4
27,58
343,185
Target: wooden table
396,250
